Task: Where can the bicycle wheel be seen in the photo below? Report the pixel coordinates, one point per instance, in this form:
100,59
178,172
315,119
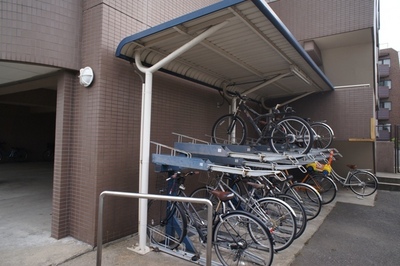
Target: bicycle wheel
242,239
323,135
308,197
21,156
201,209
229,129
301,216
363,183
325,186
166,223
279,218
291,134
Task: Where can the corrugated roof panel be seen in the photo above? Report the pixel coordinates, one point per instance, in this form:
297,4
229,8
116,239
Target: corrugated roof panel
252,47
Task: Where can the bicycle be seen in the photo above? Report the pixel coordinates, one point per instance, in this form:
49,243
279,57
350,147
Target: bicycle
238,237
317,175
360,181
255,188
290,133
278,216
307,195
14,154
323,134
323,184
48,154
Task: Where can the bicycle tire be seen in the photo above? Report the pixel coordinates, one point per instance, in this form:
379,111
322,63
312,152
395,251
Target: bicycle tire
323,135
279,218
21,156
325,186
241,239
229,129
301,216
291,134
308,197
363,183
204,193
166,223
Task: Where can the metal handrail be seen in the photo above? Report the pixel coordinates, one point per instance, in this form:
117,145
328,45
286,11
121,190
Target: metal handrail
157,197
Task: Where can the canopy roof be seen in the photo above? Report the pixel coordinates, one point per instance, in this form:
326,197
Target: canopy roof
252,52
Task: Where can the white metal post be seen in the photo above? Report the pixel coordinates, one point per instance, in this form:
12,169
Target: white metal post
146,125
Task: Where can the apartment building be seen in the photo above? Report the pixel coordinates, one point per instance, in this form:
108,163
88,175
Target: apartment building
96,129
389,93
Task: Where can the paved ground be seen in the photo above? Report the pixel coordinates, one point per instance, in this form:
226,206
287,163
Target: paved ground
357,235
349,231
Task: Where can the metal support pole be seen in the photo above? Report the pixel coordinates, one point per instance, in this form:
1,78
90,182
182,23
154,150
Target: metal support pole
146,123
157,197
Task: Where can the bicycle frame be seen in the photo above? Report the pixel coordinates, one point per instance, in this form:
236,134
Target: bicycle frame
253,120
251,203
177,189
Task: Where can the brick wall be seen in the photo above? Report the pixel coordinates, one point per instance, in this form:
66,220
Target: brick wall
325,18
44,32
394,92
105,128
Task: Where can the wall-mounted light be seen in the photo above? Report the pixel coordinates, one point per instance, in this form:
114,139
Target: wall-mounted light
295,70
86,76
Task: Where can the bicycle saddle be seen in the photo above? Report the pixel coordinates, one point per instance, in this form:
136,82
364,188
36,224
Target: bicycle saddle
223,195
352,166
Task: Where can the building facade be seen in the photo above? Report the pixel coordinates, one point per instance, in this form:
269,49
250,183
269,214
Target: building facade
96,130
389,93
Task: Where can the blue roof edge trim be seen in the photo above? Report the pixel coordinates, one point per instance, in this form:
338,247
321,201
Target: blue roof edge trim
174,22
270,14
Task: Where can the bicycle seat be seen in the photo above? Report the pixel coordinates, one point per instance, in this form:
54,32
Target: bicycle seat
223,195
352,166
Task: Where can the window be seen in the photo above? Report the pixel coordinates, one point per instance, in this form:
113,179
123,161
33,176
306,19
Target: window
386,105
385,61
387,83
386,127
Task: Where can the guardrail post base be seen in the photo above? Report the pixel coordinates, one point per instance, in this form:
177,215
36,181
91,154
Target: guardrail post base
139,250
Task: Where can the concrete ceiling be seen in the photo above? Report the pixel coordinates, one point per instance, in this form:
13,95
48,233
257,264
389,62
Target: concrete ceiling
13,72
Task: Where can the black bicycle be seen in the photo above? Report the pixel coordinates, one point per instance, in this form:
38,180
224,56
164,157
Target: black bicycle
14,154
281,131
239,238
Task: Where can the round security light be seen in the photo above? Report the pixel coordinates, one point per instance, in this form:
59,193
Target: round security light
86,76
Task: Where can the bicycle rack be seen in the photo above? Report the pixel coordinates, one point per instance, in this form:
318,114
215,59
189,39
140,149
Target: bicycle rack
183,253
183,160
201,155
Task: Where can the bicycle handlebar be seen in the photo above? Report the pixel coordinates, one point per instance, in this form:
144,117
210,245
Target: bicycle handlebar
178,175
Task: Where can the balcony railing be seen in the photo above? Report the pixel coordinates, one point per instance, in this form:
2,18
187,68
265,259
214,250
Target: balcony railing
382,114
383,135
383,71
383,92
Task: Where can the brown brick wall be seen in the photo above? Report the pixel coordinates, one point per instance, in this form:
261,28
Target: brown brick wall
104,132
63,153
324,18
394,76
344,109
43,32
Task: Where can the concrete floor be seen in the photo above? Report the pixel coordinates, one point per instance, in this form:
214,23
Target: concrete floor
25,215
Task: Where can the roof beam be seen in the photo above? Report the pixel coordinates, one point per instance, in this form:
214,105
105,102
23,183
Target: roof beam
262,36
266,83
212,47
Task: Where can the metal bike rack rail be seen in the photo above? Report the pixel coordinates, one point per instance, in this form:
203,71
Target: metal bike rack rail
157,197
